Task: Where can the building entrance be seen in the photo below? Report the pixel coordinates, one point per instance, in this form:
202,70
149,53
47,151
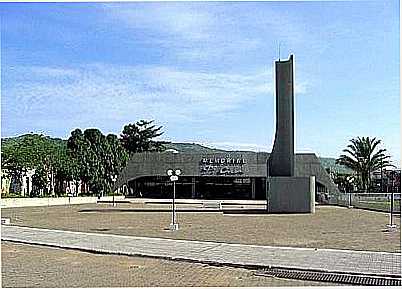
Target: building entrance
195,187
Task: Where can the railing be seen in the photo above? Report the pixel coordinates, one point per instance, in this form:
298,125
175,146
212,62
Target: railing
372,201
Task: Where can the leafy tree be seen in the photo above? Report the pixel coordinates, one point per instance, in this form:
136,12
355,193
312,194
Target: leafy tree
98,158
77,148
39,181
38,152
139,137
364,157
13,160
116,158
87,156
67,169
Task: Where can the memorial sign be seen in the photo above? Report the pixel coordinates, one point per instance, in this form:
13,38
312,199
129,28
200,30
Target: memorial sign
222,166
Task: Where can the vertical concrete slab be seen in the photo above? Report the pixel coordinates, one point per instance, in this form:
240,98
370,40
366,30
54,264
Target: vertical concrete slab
291,195
281,160
312,194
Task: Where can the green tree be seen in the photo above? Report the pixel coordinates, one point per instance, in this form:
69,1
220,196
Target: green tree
138,137
77,148
98,158
116,158
67,169
14,161
364,156
39,181
38,152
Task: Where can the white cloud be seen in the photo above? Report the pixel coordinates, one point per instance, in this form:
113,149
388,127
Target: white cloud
207,31
121,92
168,18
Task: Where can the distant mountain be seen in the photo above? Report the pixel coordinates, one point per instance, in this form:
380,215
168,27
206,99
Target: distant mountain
197,148
5,141
193,148
330,163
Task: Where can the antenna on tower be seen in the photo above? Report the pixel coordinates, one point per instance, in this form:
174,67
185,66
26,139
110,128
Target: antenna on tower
279,51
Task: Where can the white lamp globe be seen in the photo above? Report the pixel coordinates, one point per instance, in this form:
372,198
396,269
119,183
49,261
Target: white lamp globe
178,172
169,172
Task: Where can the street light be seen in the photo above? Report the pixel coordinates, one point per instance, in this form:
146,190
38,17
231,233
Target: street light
114,178
391,224
350,179
174,176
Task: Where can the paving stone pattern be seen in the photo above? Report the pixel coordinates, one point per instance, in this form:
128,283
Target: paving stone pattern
330,227
71,268
346,261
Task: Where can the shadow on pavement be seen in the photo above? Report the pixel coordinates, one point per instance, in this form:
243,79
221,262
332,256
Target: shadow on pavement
190,210
123,210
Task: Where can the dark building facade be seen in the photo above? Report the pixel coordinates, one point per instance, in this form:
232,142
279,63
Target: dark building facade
229,175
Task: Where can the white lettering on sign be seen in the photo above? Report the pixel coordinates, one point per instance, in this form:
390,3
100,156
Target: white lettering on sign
223,161
222,166
220,170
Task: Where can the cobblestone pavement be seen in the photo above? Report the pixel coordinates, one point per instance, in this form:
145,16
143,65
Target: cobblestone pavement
362,262
330,227
50,267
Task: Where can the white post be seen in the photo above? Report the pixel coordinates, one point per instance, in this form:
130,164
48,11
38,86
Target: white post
312,194
173,211
174,177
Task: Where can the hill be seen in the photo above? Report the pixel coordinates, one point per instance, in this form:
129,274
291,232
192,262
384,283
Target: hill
330,163
192,148
188,148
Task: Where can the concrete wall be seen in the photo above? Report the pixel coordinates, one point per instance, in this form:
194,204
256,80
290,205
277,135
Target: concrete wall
36,202
291,195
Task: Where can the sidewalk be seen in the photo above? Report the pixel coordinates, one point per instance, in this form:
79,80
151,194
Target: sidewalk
328,260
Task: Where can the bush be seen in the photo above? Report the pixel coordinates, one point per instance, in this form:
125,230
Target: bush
12,195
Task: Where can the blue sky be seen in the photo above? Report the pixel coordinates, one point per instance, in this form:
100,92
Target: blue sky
203,70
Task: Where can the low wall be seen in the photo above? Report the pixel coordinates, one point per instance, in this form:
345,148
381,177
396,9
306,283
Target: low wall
196,201
35,202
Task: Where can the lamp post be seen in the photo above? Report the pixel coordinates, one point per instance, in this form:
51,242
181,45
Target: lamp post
382,185
174,176
114,178
391,224
350,180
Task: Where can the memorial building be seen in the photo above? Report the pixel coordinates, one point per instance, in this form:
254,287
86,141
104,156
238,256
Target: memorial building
290,181
229,175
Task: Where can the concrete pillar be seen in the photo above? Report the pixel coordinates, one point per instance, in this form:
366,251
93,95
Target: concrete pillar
253,188
312,194
291,195
281,159
193,196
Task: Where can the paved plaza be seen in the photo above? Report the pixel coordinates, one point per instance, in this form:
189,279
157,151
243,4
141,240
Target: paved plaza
71,268
139,247
329,228
327,260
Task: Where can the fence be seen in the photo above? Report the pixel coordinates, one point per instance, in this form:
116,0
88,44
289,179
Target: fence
372,201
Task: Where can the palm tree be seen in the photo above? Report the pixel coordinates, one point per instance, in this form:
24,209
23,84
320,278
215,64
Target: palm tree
364,157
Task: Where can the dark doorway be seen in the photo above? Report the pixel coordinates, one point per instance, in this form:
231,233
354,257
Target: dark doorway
187,187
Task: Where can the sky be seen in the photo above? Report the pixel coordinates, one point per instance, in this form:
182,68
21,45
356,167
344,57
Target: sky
203,70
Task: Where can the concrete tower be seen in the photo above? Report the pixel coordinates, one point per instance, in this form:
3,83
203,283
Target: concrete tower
286,193
281,160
